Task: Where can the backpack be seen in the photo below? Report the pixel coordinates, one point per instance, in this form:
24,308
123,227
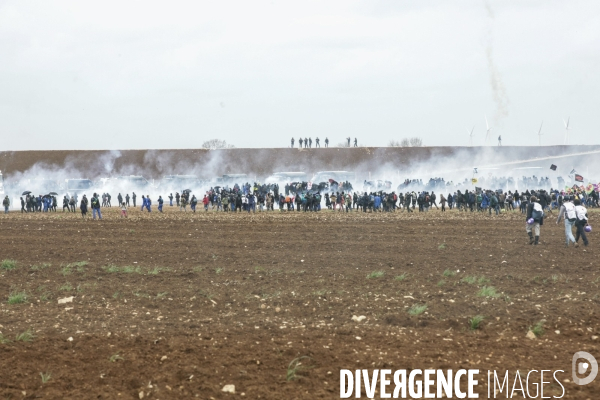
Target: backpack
570,213
537,213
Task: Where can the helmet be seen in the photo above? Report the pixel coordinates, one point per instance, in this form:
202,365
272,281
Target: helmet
530,221
588,228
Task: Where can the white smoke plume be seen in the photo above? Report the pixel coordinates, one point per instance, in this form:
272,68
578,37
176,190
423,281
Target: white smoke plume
496,83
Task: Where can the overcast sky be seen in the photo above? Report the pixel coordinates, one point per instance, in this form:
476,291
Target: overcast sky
141,74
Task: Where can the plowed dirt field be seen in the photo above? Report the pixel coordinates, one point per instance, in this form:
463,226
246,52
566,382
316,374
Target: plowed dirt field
173,305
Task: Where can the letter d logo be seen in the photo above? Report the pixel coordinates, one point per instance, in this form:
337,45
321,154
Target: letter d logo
583,367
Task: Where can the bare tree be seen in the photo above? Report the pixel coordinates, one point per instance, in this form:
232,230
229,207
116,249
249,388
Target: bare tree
416,142
214,144
394,143
404,142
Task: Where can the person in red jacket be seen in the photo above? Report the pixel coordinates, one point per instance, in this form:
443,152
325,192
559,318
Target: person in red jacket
205,201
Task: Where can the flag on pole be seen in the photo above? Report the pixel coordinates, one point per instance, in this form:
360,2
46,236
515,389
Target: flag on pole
553,167
474,181
578,178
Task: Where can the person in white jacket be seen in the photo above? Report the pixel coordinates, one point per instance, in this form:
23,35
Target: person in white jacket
567,211
582,220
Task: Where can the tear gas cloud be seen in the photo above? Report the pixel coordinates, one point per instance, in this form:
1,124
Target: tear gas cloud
454,165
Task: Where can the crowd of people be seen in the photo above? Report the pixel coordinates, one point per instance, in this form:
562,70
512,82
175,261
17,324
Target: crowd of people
308,142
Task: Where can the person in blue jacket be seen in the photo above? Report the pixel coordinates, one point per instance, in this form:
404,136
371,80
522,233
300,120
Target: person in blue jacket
160,203
171,199
377,202
251,203
143,203
193,203
148,203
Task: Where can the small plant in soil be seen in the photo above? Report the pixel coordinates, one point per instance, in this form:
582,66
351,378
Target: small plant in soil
417,309
488,291
442,246
67,287
8,264
66,270
449,273
4,340
441,283
45,376
111,268
17,297
538,328
46,296
475,322
297,366
218,270
115,358
129,269
401,277
26,336
39,267
79,264
375,274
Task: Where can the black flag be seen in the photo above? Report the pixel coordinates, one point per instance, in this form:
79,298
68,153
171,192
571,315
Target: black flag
553,167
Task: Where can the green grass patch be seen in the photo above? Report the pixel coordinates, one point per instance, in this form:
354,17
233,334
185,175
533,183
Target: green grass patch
111,269
26,336
538,328
4,340
441,282
66,270
375,274
296,366
472,280
67,287
488,291
8,264
130,269
442,246
475,322
39,267
218,270
45,376
79,264
156,270
448,273
401,277
417,309
17,297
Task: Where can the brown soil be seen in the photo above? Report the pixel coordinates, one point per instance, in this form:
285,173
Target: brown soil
190,303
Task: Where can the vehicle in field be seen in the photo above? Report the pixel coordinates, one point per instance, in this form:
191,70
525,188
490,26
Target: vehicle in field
230,179
287,177
377,185
178,183
79,185
122,184
43,186
337,176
